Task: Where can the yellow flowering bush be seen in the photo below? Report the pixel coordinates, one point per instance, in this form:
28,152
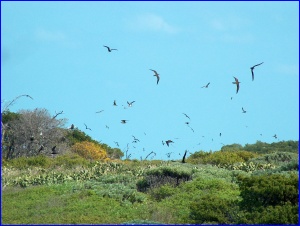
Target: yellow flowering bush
89,150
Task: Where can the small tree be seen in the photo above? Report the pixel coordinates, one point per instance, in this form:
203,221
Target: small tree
31,133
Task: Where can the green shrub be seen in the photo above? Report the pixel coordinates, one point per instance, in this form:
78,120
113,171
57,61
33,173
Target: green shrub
163,192
210,209
221,158
264,148
268,190
173,175
279,214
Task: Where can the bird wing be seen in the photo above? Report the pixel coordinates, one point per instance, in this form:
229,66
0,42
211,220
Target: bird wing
186,115
157,79
29,96
154,72
252,74
237,87
107,48
257,64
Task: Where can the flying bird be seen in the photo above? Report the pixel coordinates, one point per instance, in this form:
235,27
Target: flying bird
99,111
116,143
237,84
169,141
123,121
155,74
87,127
115,103
252,69
130,103
169,154
206,85
135,139
109,49
106,126
275,136
186,115
243,110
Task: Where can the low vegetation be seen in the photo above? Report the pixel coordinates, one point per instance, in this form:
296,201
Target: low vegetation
88,183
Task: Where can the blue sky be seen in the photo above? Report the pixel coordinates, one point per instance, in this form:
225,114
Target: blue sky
54,52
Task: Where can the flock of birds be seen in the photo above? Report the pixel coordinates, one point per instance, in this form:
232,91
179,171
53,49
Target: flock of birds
169,141
130,104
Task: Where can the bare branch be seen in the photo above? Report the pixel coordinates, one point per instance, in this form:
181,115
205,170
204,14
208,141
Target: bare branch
12,102
57,114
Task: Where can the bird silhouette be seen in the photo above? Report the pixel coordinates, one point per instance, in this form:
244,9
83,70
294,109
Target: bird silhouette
130,103
206,85
237,84
41,148
169,141
87,127
183,158
54,151
106,126
116,143
99,111
115,103
275,136
186,115
123,121
72,126
155,74
252,69
109,49
220,134
243,110
169,154
135,139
